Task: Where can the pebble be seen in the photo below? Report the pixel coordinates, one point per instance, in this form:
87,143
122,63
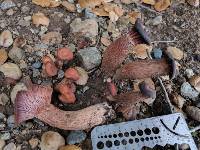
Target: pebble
51,38
37,65
11,121
2,116
83,76
11,70
6,39
5,136
16,54
24,23
189,73
157,53
51,140
36,73
76,137
188,91
175,52
6,4
90,57
10,146
33,142
3,56
69,6
194,3
25,9
2,144
40,19
157,20
3,99
89,14
10,12
87,28
61,74
18,87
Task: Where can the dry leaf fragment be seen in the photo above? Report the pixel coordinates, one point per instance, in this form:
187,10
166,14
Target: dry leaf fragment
178,100
194,3
195,82
47,3
40,19
142,50
3,56
133,16
89,3
119,11
99,11
193,112
70,147
150,2
161,5
69,6
113,16
175,52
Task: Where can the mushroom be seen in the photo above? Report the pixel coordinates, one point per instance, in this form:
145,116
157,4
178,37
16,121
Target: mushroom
49,66
36,102
129,103
72,73
65,54
147,68
119,49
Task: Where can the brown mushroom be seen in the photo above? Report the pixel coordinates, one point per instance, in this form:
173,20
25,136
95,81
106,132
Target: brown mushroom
36,102
65,54
119,49
72,73
129,103
147,68
49,67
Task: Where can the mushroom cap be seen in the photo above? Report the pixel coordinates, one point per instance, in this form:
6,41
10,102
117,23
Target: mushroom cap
29,103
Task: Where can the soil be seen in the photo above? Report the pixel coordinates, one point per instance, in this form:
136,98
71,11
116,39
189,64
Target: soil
180,24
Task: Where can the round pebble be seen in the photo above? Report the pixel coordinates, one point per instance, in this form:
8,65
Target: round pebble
2,144
2,116
37,65
7,4
76,137
5,136
188,91
157,53
10,146
11,121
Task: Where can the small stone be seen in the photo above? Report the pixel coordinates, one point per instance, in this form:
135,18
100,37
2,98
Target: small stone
157,20
2,116
25,9
40,19
69,6
37,65
157,53
36,73
51,140
150,2
90,57
33,142
19,42
76,137
87,28
194,3
188,91
10,146
10,12
141,50
11,121
18,87
175,52
11,70
61,74
89,14
51,38
5,136
3,56
83,76
189,73
3,99
2,144
195,82
6,4
70,147
6,39
23,23
16,54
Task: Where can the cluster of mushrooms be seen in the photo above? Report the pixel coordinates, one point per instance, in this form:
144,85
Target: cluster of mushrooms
36,101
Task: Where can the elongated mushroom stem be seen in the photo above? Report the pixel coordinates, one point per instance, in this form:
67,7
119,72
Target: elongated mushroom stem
35,102
119,49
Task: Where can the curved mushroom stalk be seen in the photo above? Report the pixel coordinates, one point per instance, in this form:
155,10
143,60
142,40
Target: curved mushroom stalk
129,103
119,49
35,102
145,69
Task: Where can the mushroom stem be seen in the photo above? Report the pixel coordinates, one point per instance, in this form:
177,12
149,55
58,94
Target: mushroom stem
143,69
75,120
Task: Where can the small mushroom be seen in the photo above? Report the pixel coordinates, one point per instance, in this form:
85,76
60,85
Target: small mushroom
49,66
36,102
65,54
119,49
147,68
72,73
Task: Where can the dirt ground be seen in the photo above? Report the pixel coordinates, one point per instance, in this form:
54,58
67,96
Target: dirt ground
179,26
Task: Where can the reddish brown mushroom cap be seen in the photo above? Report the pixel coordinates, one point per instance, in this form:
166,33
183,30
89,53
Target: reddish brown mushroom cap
65,54
29,103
